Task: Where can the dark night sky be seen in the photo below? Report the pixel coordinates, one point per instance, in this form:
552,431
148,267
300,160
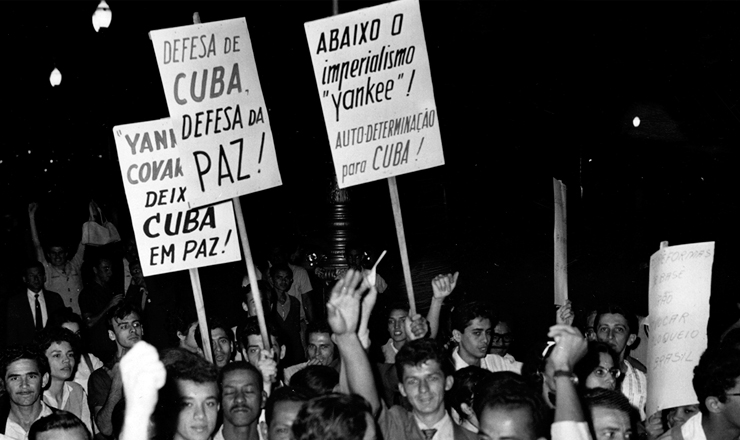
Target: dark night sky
525,92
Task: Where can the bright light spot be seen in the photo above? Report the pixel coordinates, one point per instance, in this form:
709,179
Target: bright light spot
590,160
44,169
51,161
100,156
55,78
29,151
1,161
636,121
102,16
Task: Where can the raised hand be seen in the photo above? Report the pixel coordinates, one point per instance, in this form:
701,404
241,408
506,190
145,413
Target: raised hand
32,207
564,314
267,366
343,308
570,347
443,285
143,374
416,327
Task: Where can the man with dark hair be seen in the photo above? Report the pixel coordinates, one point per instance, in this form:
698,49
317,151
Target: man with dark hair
318,379
105,385
281,410
335,416
222,342
507,408
249,339
183,323
96,299
61,425
188,403
28,312
611,414
471,330
320,349
286,313
717,386
25,373
242,400
618,327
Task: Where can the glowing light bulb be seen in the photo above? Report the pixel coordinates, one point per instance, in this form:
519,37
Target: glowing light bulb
636,121
102,16
55,78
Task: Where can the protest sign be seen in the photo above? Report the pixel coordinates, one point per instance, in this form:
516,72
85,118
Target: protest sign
375,85
218,112
560,237
680,286
169,236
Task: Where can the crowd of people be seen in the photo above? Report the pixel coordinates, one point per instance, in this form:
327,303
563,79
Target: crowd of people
86,357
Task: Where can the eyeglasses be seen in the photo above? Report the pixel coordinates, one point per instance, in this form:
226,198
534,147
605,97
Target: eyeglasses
601,372
506,337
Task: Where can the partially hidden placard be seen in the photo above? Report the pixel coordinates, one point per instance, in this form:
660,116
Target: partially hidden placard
218,112
169,235
375,86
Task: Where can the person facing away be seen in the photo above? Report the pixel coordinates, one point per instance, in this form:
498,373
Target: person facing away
96,299
61,425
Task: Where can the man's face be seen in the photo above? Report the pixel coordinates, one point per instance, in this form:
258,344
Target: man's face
61,360
474,341
424,386
254,345
103,271
282,280
127,331
77,433
396,327
320,347
498,423
241,398
354,258
501,339
283,415
24,382
222,347
199,410
610,424
614,330
34,279
57,256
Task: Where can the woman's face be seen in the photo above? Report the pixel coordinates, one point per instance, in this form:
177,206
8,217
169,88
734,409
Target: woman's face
678,416
602,376
61,360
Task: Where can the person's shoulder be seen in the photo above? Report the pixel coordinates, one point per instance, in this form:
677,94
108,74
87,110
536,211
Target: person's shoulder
636,364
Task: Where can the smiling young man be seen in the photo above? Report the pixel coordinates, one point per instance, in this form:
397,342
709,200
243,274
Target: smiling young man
25,374
617,327
105,386
242,400
471,330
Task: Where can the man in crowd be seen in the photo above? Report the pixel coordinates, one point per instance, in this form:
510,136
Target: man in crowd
29,311
320,351
25,374
611,414
242,400
105,385
281,410
63,276
61,425
617,327
471,330
222,343
96,300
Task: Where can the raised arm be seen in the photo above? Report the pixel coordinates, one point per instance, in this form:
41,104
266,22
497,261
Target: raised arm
343,313
143,375
32,207
442,287
570,347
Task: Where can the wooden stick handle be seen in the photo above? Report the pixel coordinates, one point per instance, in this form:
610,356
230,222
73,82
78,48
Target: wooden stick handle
251,272
396,203
200,307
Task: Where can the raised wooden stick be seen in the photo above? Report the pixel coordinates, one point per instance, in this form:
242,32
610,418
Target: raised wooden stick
396,203
200,307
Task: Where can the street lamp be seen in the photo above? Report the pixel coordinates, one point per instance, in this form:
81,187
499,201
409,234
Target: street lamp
102,16
55,78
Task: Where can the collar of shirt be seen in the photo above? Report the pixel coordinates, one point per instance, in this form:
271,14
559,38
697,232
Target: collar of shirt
49,399
16,431
444,427
32,302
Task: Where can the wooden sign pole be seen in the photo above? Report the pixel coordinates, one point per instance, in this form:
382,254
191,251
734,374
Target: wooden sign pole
251,272
200,308
396,203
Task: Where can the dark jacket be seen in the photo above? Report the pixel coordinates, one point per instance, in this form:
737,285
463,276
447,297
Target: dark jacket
19,321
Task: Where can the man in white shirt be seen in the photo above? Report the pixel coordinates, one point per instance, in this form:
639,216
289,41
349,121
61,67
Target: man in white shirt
25,375
242,400
471,330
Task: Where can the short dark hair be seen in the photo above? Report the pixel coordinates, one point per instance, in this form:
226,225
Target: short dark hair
284,394
510,391
238,365
717,372
181,320
56,335
592,360
319,326
415,353
467,381
215,322
33,264
122,310
318,379
616,309
611,399
63,420
251,327
64,316
19,352
464,314
332,417
278,267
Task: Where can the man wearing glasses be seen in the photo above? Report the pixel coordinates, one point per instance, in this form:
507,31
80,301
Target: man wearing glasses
501,339
717,386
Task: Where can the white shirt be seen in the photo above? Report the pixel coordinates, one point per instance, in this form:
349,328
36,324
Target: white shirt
83,370
634,386
32,303
444,428
491,362
67,390
570,430
16,432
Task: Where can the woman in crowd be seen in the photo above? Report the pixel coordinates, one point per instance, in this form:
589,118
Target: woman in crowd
598,368
86,362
